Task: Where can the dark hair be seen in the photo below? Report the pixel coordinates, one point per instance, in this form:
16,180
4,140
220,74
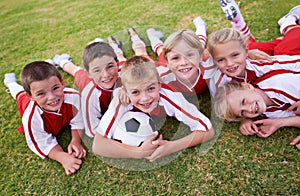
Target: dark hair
37,71
97,50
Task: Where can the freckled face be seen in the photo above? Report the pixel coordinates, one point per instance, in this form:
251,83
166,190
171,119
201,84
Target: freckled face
230,58
144,96
48,93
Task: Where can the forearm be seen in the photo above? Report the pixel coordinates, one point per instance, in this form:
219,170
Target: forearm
70,68
57,154
293,121
76,135
110,148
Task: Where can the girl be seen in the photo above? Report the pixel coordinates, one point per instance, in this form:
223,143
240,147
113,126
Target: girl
143,91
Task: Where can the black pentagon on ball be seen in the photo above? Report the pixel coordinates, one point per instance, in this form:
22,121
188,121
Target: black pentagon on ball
132,125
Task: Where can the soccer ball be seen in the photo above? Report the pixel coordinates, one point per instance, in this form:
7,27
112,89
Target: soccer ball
134,128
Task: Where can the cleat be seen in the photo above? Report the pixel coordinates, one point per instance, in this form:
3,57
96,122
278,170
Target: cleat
230,8
112,40
294,11
132,32
9,78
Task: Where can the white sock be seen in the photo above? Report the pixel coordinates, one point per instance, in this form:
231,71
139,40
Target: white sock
289,20
137,42
239,24
116,49
14,88
154,39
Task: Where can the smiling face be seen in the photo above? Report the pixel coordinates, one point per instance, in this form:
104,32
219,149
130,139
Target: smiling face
144,95
48,93
184,62
104,71
246,103
230,57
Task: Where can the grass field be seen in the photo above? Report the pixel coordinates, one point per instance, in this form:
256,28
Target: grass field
232,164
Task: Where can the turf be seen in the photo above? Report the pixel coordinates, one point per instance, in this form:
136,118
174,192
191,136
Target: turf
231,164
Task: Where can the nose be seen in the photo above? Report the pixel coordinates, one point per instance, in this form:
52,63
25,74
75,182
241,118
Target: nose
248,108
145,96
183,60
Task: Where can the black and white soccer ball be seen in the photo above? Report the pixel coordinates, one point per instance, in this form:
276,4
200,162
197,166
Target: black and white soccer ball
134,128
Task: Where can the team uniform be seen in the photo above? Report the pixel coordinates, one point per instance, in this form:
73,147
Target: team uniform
283,94
254,70
41,127
288,45
174,104
94,101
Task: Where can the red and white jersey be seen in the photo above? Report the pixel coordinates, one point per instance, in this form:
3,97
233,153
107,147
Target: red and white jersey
94,101
41,127
282,86
254,70
174,104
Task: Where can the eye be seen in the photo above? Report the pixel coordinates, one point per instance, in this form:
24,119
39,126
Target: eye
190,54
40,94
220,60
236,54
134,92
151,88
110,66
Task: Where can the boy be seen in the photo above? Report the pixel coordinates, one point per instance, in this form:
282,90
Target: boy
268,97
96,82
46,107
143,91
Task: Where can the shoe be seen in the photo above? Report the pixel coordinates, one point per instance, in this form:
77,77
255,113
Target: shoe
294,11
230,8
98,39
198,21
112,40
60,60
153,32
50,61
131,32
9,78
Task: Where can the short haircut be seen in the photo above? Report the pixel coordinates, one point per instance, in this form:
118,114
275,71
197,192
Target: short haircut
223,36
96,50
188,36
220,103
137,69
37,71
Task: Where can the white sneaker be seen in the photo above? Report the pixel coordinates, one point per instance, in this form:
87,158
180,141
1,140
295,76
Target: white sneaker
9,78
153,32
230,9
50,61
294,11
98,39
198,21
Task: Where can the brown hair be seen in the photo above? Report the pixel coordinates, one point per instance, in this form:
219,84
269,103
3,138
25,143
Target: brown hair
37,71
96,50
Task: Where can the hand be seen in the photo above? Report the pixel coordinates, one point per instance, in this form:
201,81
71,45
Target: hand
163,149
295,108
296,142
70,163
150,145
267,127
248,127
76,149
259,55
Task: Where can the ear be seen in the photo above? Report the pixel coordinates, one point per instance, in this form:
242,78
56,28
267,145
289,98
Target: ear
62,82
246,85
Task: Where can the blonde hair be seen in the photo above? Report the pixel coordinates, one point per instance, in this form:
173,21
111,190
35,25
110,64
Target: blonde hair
136,70
220,101
188,36
223,36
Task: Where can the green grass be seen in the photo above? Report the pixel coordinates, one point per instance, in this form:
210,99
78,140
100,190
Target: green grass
231,164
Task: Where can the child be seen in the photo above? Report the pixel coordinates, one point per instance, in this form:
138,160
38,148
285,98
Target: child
268,96
143,91
229,51
96,82
46,107
289,28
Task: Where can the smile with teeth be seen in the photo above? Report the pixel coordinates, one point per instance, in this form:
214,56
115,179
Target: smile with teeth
256,107
54,102
185,70
232,69
107,80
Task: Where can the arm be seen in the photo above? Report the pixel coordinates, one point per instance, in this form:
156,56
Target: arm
259,55
267,127
75,144
110,148
295,108
70,163
169,147
248,127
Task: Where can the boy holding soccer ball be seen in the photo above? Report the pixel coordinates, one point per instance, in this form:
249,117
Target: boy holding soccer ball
142,91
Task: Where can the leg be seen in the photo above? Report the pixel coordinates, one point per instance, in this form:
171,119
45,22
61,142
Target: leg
200,30
138,45
117,46
290,19
12,85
